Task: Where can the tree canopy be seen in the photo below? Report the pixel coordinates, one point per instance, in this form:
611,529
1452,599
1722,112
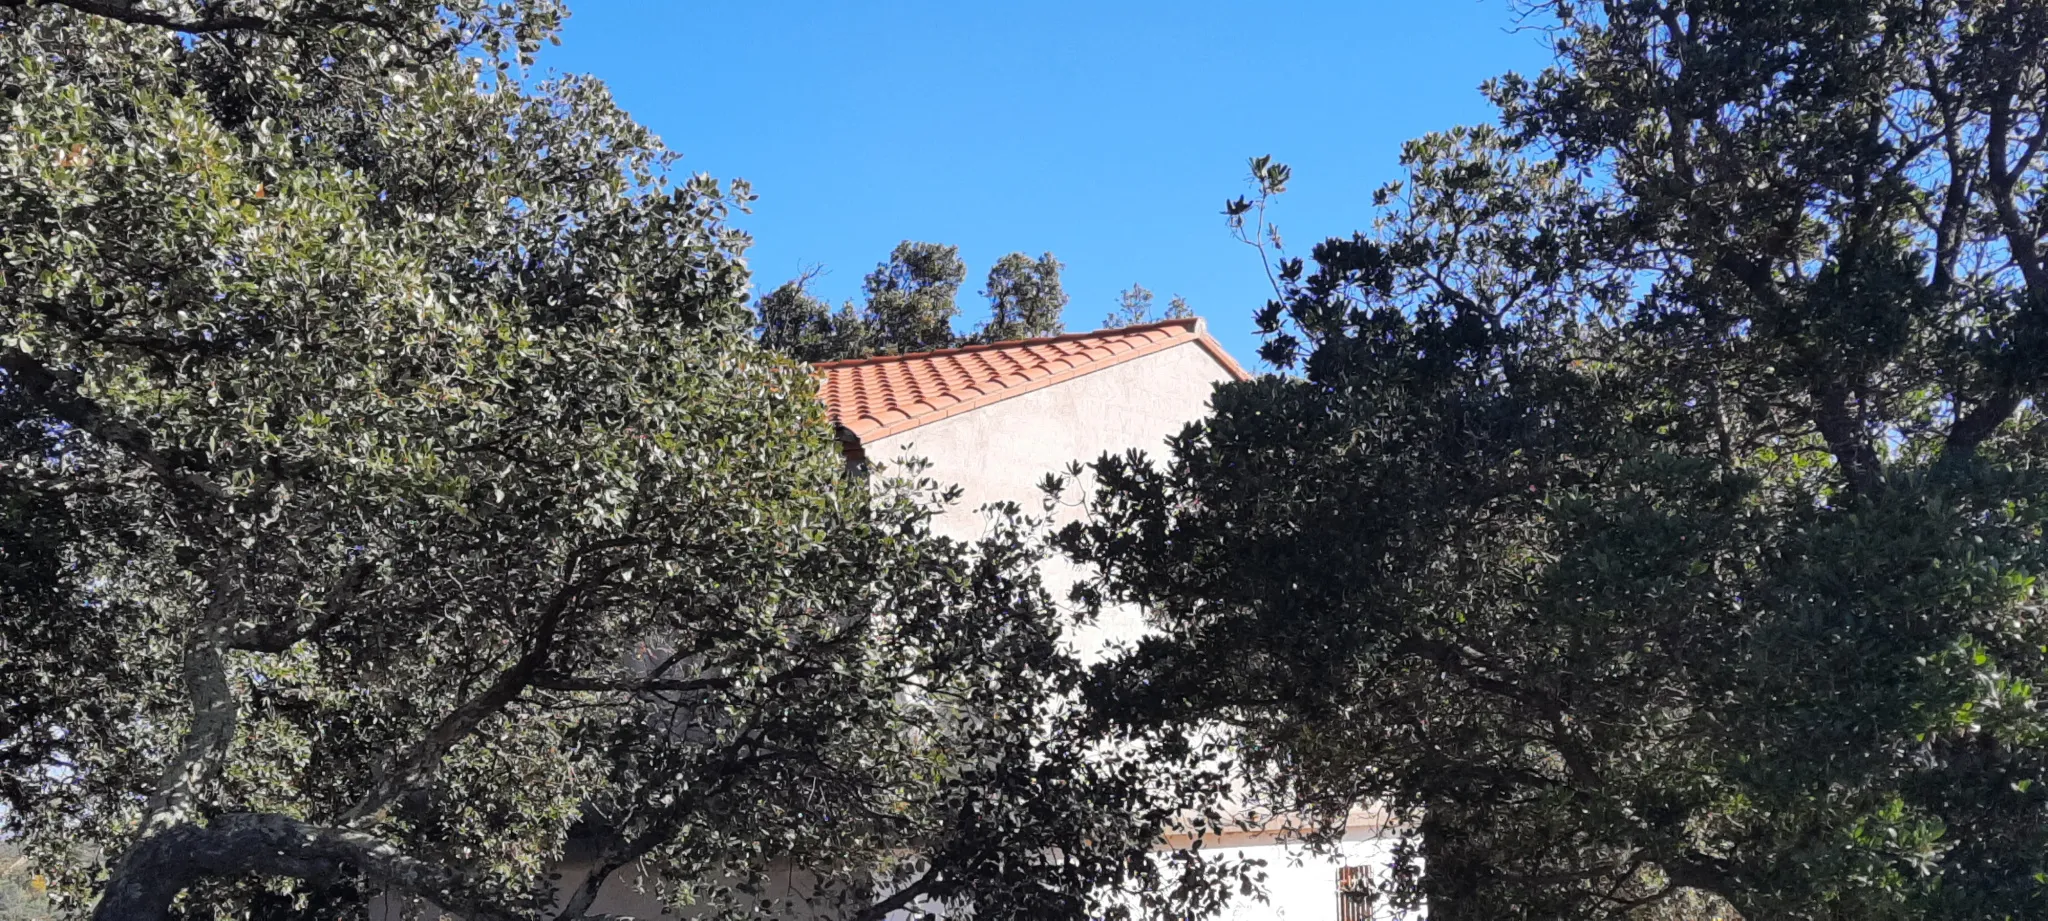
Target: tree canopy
392,495
912,301
1655,510
794,322
912,298
1134,306
1024,298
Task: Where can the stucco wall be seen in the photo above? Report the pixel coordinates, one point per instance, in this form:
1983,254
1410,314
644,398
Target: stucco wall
1302,885
1000,452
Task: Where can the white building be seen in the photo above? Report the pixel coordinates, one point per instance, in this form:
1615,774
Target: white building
995,419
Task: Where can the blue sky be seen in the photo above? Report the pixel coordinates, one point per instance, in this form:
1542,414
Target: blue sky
1108,133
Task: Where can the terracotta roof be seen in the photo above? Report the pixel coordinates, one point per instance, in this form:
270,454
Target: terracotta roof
872,398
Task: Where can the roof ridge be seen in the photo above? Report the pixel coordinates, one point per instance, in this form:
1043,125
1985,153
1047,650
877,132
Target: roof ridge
1192,324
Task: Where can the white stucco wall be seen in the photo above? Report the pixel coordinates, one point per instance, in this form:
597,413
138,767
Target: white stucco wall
1300,884
1001,451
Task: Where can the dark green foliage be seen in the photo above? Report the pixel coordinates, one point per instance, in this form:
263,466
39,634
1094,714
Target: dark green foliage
1024,298
790,321
1132,308
391,494
1658,514
910,308
911,298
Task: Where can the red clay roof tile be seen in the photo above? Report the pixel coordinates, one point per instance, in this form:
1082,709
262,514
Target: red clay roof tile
877,397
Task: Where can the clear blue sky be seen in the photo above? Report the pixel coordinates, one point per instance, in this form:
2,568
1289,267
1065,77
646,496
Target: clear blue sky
1108,133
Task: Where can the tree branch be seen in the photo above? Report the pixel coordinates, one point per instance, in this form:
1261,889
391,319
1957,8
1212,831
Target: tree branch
1847,440
511,682
55,394
661,826
1978,424
214,19
276,638
901,897
152,874
2021,239
1707,873
553,681
1578,760
1955,209
215,712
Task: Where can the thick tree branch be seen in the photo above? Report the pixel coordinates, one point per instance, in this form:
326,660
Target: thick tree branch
551,681
214,18
1578,760
902,897
2021,236
55,394
510,683
2022,243
1978,424
1707,873
1956,198
152,874
660,827
579,901
215,712
1846,437
1847,440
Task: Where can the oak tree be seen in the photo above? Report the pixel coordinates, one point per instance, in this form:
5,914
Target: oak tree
394,503
1025,299
1655,507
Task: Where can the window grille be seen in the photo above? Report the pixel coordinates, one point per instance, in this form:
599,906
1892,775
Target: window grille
1354,894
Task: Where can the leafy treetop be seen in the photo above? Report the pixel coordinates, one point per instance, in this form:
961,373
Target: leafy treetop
911,305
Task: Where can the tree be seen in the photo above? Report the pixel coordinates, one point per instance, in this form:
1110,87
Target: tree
1024,298
1656,512
910,305
391,494
1135,307
791,321
1132,308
